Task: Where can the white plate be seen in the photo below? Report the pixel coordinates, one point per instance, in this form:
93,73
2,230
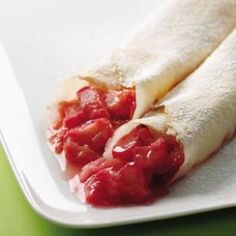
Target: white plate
46,42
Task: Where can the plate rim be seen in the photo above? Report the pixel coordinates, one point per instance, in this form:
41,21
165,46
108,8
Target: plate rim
27,192
30,199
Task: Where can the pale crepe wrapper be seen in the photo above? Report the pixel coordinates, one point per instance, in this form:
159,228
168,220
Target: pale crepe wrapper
200,111
168,46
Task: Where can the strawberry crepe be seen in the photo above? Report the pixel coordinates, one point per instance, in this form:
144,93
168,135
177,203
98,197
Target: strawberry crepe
171,44
200,113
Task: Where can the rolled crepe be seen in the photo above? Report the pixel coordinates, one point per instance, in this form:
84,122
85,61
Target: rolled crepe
200,111
166,48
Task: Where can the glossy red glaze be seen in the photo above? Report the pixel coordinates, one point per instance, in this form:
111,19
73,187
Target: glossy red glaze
94,133
89,121
126,146
120,104
143,161
138,178
102,163
77,154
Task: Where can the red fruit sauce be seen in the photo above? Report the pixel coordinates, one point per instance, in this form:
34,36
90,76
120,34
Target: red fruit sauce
142,162
90,119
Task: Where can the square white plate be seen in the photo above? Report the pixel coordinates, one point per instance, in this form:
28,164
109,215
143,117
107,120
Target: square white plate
46,42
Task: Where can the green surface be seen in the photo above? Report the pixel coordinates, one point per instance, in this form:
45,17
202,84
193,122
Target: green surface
17,218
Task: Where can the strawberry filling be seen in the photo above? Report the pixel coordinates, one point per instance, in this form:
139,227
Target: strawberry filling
86,123
142,162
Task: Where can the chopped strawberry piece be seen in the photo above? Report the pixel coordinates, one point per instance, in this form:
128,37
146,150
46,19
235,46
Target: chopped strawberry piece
91,168
102,163
91,103
78,155
113,164
76,119
68,111
154,157
125,147
94,133
120,104
134,188
88,95
103,189
140,154
146,135
108,187
94,112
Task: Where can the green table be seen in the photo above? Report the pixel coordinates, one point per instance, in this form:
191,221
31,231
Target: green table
17,218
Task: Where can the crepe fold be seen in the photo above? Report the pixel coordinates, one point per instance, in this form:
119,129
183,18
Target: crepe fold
165,49
200,111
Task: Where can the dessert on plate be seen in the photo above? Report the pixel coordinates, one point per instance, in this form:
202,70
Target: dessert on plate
190,124
122,130
146,155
